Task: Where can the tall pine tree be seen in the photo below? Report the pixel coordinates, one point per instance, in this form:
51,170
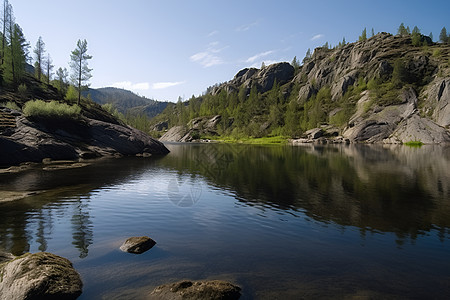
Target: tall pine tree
79,64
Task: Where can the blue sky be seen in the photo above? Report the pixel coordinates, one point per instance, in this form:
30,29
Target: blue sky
166,49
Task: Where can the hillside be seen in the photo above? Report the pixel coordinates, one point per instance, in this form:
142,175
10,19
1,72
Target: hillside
126,101
383,89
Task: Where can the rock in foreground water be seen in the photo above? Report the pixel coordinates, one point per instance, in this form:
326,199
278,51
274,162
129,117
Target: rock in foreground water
39,276
211,290
137,244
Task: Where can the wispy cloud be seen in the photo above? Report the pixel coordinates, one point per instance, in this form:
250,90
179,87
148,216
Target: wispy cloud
213,33
317,36
128,85
165,85
209,57
258,56
246,27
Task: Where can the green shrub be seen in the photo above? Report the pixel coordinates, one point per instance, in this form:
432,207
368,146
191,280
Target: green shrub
52,109
72,94
436,52
11,105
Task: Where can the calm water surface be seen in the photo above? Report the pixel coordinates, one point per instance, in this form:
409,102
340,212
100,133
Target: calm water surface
282,222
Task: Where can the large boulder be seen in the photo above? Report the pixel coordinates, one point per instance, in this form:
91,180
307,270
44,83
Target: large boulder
39,276
375,124
280,73
34,140
195,290
420,129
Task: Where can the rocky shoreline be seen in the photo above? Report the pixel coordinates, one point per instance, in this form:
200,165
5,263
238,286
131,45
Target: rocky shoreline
44,275
47,140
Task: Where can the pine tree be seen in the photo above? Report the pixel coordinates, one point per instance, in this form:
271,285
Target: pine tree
48,68
431,36
373,32
295,63
7,17
402,30
39,51
61,77
16,54
308,56
79,64
416,36
443,37
363,35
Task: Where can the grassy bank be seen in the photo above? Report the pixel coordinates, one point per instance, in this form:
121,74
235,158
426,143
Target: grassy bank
272,140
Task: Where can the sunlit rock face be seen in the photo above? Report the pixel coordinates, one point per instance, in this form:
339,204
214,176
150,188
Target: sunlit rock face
39,276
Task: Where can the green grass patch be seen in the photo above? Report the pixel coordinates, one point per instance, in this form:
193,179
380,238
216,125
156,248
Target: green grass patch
51,110
414,144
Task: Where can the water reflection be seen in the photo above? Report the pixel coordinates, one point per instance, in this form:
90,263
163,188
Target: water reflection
62,195
378,189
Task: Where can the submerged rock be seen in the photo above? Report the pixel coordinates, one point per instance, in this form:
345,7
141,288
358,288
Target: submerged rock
211,290
39,276
137,244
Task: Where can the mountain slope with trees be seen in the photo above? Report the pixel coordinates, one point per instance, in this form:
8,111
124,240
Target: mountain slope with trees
43,119
384,88
126,101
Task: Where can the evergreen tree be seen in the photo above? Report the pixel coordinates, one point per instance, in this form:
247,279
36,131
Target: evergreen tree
416,36
373,32
295,63
308,56
61,77
344,42
431,36
6,19
443,37
48,68
79,64
402,30
408,31
363,35
39,51
16,55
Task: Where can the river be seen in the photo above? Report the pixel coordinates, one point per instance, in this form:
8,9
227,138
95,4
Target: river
282,222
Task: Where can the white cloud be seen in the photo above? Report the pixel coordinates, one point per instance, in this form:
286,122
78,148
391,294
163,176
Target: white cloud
209,57
164,85
128,85
246,27
316,37
213,33
258,56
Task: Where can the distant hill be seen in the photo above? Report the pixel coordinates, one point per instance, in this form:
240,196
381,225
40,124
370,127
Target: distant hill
127,101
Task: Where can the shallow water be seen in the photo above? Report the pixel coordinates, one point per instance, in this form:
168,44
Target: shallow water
282,222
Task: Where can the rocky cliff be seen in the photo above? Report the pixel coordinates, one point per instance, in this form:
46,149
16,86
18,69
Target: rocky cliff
32,140
381,90
417,109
